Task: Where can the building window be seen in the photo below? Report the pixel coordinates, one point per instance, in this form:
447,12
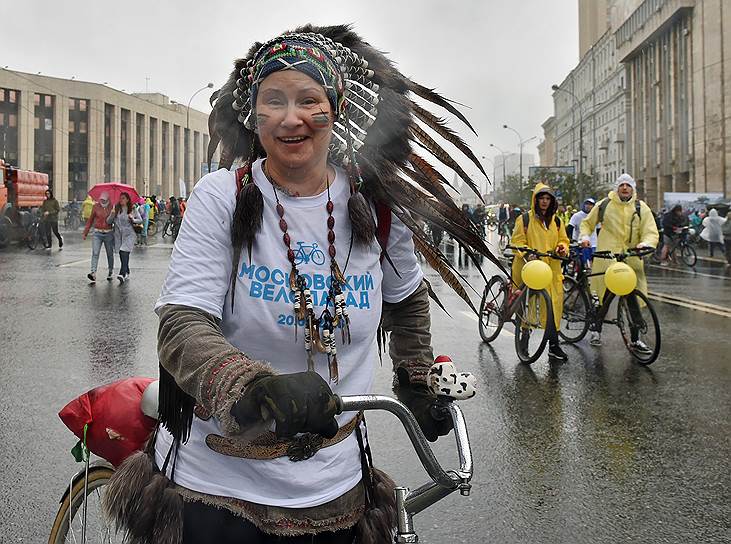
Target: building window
176,153
43,135
139,132
108,131
153,152
78,149
9,126
165,147
124,145
186,156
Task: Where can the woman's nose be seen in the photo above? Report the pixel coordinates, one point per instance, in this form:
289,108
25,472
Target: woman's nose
291,117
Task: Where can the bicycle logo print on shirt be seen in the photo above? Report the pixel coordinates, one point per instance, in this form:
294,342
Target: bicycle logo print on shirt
308,252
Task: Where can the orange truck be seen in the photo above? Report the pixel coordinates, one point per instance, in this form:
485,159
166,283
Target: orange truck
21,193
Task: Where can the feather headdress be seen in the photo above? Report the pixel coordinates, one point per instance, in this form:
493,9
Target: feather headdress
372,139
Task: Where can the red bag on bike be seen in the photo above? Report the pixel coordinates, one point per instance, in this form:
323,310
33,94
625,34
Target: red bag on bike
117,426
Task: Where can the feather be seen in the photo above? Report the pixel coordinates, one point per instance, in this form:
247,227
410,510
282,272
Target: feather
435,98
444,157
434,297
435,189
437,264
440,127
428,170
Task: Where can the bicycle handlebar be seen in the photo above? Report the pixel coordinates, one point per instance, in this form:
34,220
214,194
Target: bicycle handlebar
631,252
531,251
444,481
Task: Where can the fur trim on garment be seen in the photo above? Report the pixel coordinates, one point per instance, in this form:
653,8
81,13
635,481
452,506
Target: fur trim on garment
380,518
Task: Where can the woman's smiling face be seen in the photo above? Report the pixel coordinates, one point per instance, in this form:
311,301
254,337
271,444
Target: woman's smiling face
294,120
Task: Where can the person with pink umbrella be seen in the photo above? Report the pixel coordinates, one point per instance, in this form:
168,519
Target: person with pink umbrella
103,235
124,217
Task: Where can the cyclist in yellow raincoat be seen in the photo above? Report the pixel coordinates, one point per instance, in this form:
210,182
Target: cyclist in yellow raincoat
626,222
544,232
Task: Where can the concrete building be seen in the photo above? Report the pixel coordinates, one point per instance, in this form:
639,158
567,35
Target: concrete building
82,133
651,96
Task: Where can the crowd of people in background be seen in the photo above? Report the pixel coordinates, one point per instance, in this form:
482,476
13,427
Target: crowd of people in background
707,226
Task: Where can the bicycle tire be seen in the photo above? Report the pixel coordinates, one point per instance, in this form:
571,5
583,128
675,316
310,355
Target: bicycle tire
495,309
521,318
575,310
152,228
647,358
33,236
504,241
71,504
688,255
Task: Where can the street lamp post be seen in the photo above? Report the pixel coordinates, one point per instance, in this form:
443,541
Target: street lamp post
187,111
521,142
577,105
187,129
503,154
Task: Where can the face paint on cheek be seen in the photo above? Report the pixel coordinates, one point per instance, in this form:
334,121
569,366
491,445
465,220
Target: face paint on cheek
321,120
261,119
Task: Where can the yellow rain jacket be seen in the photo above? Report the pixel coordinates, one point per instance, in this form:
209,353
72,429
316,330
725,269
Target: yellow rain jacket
621,230
86,207
542,238
153,211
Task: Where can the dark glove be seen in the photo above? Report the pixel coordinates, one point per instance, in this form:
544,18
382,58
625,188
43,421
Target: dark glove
420,401
298,403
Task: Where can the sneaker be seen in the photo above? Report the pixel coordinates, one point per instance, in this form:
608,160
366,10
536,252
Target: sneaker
110,276
523,344
664,263
120,277
555,352
92,277
640,347
60,244
595,338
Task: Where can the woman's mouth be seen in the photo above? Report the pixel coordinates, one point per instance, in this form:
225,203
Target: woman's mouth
292,140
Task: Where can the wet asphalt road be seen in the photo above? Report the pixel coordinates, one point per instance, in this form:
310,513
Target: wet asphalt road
598,449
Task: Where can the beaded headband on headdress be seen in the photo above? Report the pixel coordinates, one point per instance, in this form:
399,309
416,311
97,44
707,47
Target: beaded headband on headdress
344,75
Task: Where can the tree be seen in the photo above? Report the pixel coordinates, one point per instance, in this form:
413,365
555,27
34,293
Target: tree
571,189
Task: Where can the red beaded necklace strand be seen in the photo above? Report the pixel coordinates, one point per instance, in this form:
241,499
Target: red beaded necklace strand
303,303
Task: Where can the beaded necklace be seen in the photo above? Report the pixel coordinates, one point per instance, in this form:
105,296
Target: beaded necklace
327,322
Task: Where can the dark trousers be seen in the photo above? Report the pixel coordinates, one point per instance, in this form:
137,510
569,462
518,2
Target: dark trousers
712,244
727,243
49,226
203,524
124,266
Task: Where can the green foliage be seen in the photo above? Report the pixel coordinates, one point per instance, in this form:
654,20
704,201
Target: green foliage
572,189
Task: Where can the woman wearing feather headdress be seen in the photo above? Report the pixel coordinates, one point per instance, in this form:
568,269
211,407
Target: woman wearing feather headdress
282,272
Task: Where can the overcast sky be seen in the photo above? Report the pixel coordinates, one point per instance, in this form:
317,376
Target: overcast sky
499,57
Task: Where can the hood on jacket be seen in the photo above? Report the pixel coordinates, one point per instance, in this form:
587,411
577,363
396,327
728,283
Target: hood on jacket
713,213
540,189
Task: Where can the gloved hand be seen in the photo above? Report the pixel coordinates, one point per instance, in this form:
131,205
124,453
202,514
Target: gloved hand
298,403
420,401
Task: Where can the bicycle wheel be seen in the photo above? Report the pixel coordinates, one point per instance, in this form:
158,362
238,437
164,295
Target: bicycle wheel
575,317
531,333
67,525
504,241
688,256
491,226
492,307
641,331
166,229
34,235
152,228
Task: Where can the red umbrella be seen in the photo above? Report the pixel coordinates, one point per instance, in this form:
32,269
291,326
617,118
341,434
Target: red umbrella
114,190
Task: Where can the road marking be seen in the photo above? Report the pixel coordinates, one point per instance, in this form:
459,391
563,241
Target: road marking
692,304
473,317
72,263
692,273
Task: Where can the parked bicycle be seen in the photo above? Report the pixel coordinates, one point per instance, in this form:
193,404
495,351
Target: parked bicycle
34,234
529,310
682,246
636,318
80,518
72,219
172,227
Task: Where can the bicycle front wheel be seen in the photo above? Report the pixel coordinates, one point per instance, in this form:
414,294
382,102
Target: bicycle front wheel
34,234
152,228
687,254
68,523
492,307
531,319
639,327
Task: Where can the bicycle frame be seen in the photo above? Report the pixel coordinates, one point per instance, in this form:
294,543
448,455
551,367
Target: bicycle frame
411,502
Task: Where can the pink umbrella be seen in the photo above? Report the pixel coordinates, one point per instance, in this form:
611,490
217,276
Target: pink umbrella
114,190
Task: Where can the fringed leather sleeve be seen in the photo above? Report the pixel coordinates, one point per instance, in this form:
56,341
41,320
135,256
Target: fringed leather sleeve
204,366
409,323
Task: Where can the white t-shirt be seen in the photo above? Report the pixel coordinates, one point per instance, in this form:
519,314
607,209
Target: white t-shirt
575,221
262,324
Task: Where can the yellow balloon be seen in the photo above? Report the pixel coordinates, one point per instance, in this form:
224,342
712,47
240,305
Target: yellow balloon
620,279
537,275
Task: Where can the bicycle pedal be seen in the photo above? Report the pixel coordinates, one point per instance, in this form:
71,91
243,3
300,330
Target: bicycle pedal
445,381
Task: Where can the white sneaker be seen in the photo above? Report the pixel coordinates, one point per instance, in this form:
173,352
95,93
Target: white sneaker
640,347
595,338
120,277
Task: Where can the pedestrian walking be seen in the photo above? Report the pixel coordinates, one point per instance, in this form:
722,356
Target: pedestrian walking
627,222
227,346
49,220
542,229
103,236
712,225
726,231
124,217
143,208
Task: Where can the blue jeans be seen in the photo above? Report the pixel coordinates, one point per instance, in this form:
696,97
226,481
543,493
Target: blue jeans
107,239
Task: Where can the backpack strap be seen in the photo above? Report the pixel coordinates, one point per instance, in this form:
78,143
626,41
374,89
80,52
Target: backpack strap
605,202
383,226
526,220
